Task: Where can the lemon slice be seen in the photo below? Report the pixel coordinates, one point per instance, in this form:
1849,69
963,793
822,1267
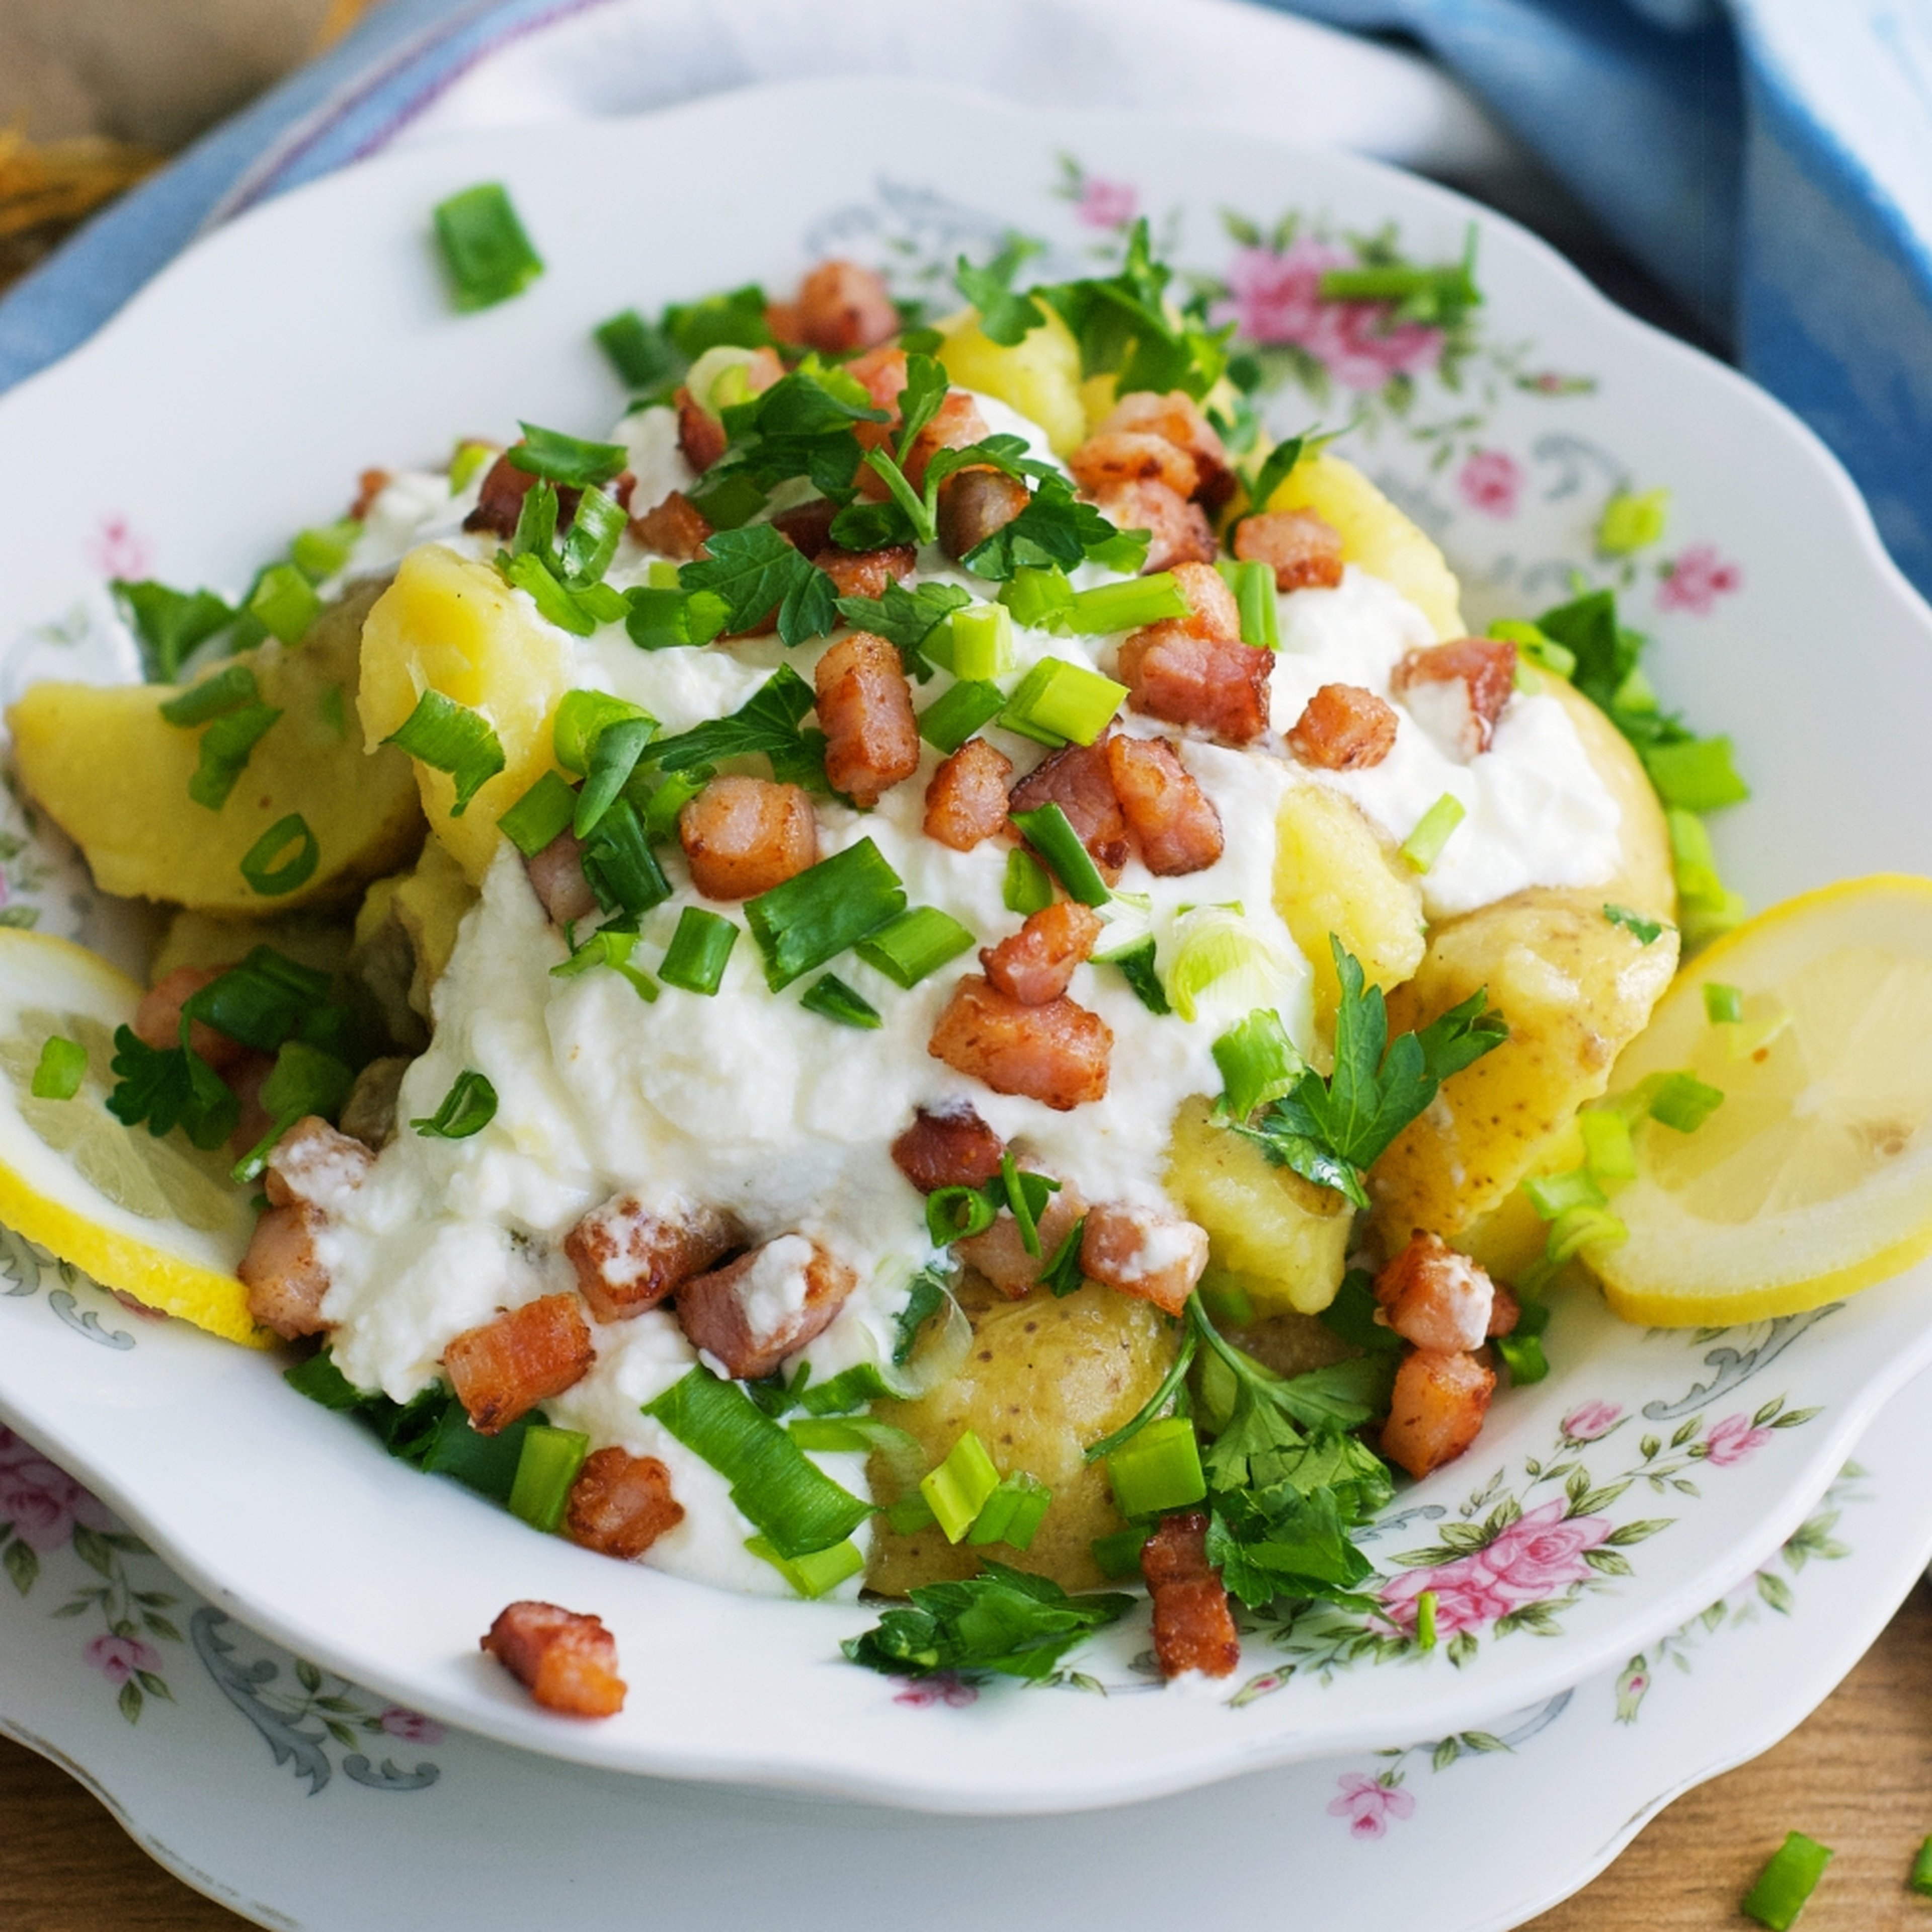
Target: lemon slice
1814,1178
155,1218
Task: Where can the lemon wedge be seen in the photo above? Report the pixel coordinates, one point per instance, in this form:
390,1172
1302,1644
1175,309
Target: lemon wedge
155,1218
1813,1178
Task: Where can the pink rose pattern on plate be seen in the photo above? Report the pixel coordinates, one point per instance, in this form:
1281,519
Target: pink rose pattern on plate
1695,580
1369,1803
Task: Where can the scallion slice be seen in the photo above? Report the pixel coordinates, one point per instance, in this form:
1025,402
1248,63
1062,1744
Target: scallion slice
812,918
290,836
581,718
1129,606
613,758
229,689
619,865
1644,932
639,351
829,998
1013,1513
1252,584
225,748
529,573
695,959
1724,1006
976,644
467,1108
1608,1151
1119,1554
609,946
918,942
1425,1621
1695,774
591,542
817,1571
1158,1469
1684,1102
568,459
960,1487
61,1069
1787,1882
539,815
320,553
1050,833
1029,885
1059,702
1039,599
489,257
663,619
1136,966
303,1080
547,1465
284,602
1062,1272
451,738
1552,1195
1423,846
948,721
1920,1880
1258,1062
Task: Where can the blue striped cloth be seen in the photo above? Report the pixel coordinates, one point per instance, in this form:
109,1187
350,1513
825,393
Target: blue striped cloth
1771,160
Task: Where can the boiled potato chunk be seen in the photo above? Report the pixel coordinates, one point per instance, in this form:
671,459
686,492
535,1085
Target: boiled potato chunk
202,939
1045,1378
1376,535
405,933
1334,874
113,774
449,624
1039,376
1645,880
1281,1239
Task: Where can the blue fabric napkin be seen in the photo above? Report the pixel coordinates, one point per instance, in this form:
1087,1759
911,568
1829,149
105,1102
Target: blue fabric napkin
1771,160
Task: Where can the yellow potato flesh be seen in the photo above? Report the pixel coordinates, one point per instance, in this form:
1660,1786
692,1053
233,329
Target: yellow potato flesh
113,774
201,939
1039,376
448,625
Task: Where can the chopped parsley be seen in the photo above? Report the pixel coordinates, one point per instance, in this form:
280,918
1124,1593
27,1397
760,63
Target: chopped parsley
906,618
1645,931
757,573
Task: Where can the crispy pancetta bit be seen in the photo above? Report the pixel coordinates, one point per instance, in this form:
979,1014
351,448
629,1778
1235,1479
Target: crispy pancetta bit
700,434
974,504
807,526
1000,1253
675,528
1176,416
1193,1626
1117,457
742,836
1456,691
502,1368
950,1147
840,307
621,1504
313,1162
1058,1054
158,1018
1195,670
1078,780
753,1312
1180,530
881,373
311,1172
556,877
629,1257
1304,550
1505,1312
1035,965
1435,1298
1343,728
566,1662
864,709
369,486
966,801
1154,1257
1437,1408
956,424
866,573
1174,822
500,501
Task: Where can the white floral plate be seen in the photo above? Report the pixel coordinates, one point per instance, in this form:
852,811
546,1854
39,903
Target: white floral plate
232,403
299,1800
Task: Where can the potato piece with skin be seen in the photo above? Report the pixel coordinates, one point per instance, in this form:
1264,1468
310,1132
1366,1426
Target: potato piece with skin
1281,1239
1039,376
1376,535
1045,1378
1333,873
113,774
449,624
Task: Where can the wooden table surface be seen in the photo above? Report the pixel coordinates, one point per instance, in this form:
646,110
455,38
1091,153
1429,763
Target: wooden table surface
1857,1776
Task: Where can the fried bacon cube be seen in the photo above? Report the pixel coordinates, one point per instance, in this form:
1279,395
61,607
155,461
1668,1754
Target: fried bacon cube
881,373
158,1018
1216,684
284,1276
675,528
499,502
864,709
568,1663
1078,780
1435,1298
975,504
742,836
1035,965
1304,550
313,1163
1154,1257
956,424
1180,530
629,1257
1505,1312
952,1147
1343,728
1058,1054
866,573
1177,417
840,307
556,877
503,1368
620,1504
1193,1626
1456,691
807,526
700,435
1437,1409
966,801
754,1312
369,485
1174,822
1000,1253
1116,456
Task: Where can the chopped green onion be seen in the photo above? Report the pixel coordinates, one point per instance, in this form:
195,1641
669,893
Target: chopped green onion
1608,1151
1695,774
916,944
1554,1194
466,459
639,352
619,865
263,1001
168,623
536,818
1013,1513
950,720
1571,1233
568,459
229,689
1521,1350
1258,1062
547,1465
669,619
1684,1102
1252,584
1058,703
467,1108
1218,952
1724,1006
1039,599
1226,1300
319,554
1787,1882
1920,1880
587,552
1423,846
555,605
816,1572
958,1213
1631,523
830,998
225,748
1425,1621
1136,966
668,799
1027,1195
814,917
1438,296
272,881
61,1069
696,957
488,256
783,1493
976,644
581,718
1533,646
1646,931
735,318
1704,906
1129,606
613,758
1158,1469
1050,833
609,946
1119,1554
959,1489
1029,885
284,602
451,738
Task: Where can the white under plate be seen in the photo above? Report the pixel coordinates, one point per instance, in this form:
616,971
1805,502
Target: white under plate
237,399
